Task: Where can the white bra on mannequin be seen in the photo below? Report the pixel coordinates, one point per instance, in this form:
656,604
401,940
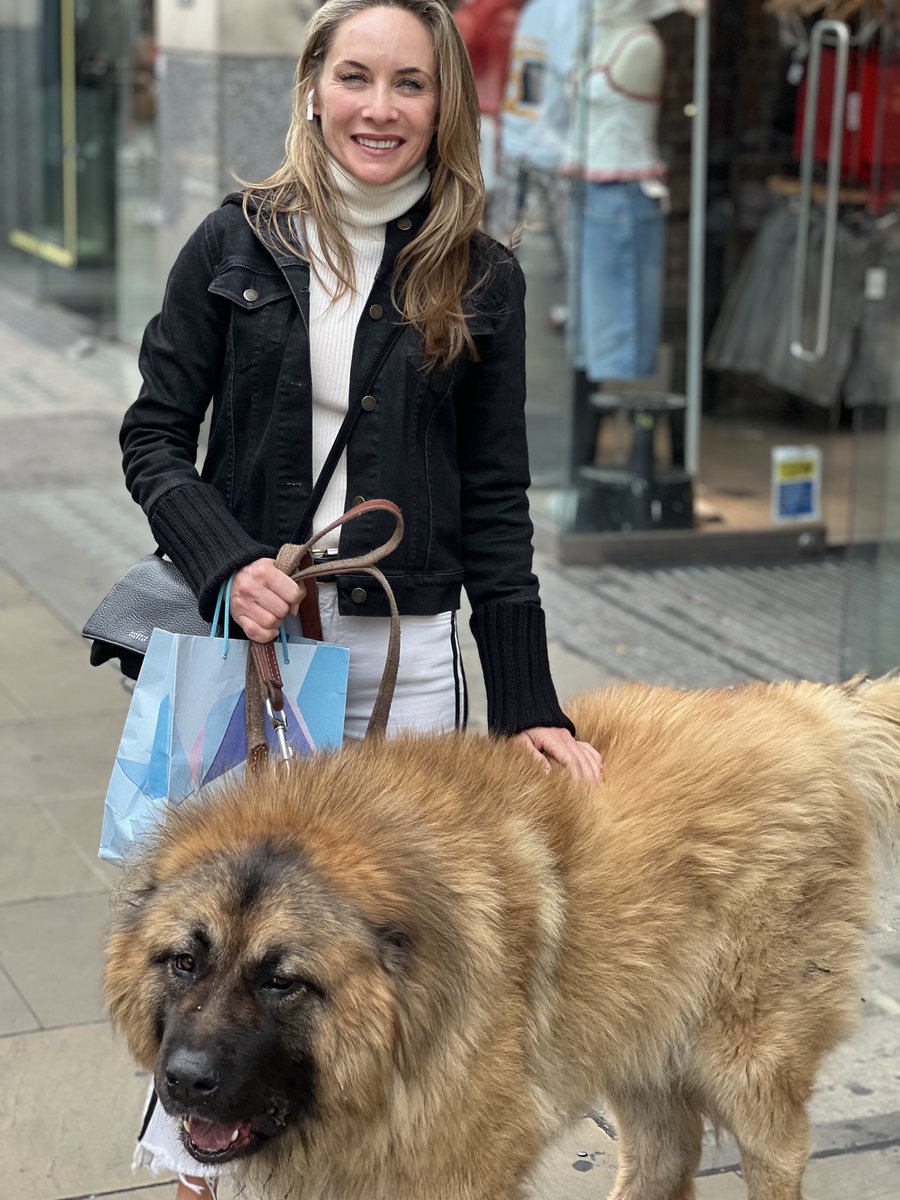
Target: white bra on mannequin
620,88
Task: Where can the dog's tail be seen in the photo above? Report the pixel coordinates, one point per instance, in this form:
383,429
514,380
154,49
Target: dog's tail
871,719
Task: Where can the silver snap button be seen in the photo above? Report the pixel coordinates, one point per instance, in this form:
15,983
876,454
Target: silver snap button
376,312
357,500
368,403
404,223
250,295
358,595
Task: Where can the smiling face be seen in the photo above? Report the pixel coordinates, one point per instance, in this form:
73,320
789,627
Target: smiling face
377,97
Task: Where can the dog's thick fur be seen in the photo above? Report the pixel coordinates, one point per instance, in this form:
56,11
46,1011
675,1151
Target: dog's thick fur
398,972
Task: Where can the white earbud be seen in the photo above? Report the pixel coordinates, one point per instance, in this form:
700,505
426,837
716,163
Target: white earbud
309,105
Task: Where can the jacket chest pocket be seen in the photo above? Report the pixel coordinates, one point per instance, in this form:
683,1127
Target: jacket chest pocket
441,379
260,306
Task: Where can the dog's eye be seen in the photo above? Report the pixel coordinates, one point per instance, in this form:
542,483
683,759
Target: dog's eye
184,964
281,983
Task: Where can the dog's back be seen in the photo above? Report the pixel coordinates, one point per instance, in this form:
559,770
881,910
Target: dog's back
847,732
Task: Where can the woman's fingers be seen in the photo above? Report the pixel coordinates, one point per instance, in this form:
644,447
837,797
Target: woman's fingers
262,596
580,759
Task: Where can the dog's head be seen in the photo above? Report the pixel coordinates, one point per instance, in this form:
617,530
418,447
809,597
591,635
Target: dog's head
277,959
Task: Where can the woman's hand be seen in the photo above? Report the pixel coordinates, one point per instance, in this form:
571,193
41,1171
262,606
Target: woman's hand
261,597
580,759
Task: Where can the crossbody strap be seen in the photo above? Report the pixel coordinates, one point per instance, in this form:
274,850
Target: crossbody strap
301,532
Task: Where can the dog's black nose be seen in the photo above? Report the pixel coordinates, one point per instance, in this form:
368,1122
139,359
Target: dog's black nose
191,1075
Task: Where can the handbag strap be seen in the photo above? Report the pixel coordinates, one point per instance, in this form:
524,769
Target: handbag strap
264,684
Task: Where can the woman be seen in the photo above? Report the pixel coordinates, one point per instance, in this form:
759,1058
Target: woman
356,275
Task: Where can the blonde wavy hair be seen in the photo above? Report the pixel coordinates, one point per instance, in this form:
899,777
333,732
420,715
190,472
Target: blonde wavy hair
432,272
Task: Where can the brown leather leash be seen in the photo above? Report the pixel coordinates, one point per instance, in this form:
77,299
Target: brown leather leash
264,684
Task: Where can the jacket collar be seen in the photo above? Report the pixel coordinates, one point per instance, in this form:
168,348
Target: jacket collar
398,233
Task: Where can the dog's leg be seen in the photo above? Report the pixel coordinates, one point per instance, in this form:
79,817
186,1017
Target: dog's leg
761,1099
773,1163
660,1136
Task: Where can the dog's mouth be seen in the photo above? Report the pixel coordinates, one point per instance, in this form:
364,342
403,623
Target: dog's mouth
220,1142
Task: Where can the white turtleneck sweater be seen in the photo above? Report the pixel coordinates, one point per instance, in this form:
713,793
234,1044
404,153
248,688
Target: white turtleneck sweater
333,322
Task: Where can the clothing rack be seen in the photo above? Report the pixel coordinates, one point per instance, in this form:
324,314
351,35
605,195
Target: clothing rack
832,10
851,197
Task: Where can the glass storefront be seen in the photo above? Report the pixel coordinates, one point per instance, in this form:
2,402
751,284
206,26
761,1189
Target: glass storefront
792,358
69,95
139,272
791,362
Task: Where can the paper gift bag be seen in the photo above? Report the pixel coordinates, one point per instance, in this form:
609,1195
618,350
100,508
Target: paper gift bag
186,725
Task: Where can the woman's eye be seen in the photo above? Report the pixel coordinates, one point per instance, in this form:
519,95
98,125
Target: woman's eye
412,85
184,964
352,77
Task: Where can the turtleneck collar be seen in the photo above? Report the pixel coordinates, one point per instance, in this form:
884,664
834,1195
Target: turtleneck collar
370,204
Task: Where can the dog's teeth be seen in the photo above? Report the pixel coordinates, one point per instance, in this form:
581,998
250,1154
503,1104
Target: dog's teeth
235,1135
187,1125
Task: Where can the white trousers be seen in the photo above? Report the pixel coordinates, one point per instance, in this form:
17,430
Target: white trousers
430,697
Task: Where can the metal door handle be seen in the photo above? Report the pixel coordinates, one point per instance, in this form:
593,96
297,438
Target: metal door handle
835,150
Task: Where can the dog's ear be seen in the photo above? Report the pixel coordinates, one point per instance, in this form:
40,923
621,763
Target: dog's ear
133,891
394,947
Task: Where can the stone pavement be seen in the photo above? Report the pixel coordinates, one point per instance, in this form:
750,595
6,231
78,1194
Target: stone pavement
70,1095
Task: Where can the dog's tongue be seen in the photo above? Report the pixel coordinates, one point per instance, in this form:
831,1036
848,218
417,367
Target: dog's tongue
209,1135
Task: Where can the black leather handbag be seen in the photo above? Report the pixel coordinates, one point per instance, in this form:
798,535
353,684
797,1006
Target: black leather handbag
150,595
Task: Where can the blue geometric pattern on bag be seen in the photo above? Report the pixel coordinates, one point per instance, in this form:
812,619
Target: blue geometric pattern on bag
186,725
233,744
225,736
153,777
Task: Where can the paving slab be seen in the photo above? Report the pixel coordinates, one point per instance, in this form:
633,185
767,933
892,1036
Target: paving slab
582,1164
53,951
150,1192
15,1015
78,818
10,708
870,1176
61,757
47,671
74,1133
12,591
38,859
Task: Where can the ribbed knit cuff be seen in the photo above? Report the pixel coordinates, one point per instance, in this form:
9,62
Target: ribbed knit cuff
199,534
512,644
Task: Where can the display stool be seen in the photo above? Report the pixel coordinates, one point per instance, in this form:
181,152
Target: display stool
642,494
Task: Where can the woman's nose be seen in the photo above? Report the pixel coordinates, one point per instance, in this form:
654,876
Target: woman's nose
380,104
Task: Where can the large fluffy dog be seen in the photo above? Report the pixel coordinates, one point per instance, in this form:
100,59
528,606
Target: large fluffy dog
396,973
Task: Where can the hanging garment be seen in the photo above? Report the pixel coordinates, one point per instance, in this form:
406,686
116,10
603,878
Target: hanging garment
875,374
752,335
536,108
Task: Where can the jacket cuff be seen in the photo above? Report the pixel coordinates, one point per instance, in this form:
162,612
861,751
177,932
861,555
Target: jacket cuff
512,644
199,534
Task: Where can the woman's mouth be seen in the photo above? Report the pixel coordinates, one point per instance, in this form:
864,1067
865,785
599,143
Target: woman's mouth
376,145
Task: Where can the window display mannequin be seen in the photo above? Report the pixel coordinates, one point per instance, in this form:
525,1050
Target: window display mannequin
620,202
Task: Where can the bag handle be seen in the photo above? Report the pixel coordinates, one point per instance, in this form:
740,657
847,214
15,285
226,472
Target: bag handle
265,687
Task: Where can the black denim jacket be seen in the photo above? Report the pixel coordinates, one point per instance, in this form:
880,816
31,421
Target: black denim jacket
446,445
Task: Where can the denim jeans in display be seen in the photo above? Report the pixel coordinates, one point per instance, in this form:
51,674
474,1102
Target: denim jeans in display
618,269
